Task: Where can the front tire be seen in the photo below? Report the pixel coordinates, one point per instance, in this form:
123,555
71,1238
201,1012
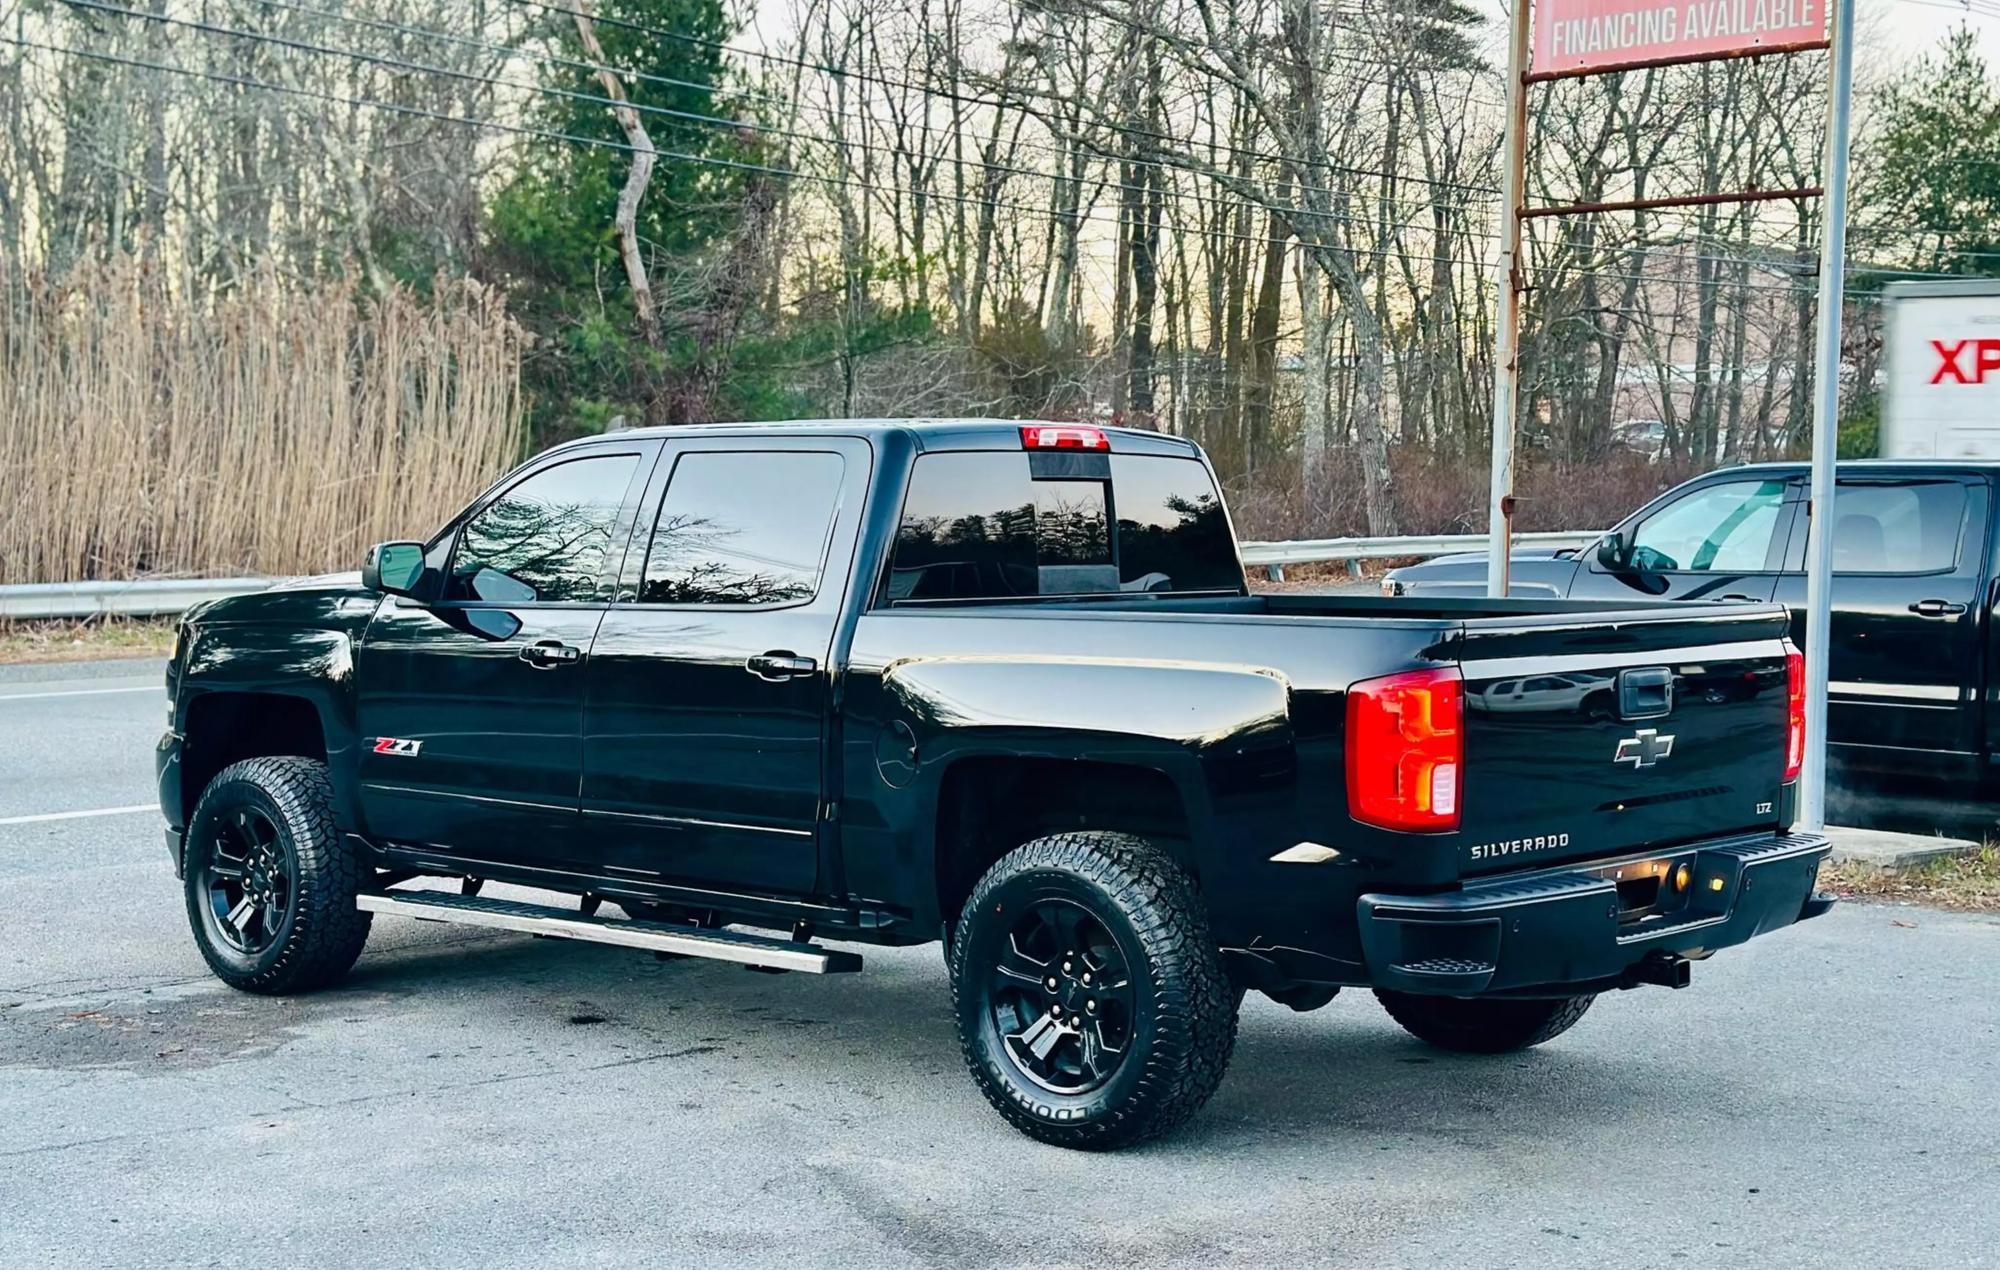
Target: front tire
270,885
1483,1025
1093,1007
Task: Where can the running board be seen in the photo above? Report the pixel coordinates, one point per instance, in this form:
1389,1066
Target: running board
562,923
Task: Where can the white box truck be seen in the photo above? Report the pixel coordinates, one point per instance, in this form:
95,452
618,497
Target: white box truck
1941,369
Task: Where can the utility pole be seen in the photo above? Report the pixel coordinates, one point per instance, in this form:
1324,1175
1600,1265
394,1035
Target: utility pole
1826,417
1507,326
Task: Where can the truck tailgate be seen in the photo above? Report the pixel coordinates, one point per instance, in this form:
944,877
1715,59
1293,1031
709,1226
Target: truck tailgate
1588,735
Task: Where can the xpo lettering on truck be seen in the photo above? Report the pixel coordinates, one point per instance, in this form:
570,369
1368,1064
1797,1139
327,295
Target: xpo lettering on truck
1941,370
1583,35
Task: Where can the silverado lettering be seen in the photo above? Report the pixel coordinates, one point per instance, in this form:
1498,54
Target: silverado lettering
1516,846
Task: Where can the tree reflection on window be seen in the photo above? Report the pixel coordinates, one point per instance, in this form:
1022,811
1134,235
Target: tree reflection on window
544,539
742,529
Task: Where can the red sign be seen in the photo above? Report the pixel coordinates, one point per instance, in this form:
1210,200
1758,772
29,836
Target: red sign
1576,35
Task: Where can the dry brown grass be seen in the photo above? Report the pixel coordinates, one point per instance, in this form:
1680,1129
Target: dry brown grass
1969,882
151,426
85,640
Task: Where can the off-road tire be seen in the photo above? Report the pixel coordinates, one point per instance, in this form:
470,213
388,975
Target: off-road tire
1184,1015
322,933
1483,1025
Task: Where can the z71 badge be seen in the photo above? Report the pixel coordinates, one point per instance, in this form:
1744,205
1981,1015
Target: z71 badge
397,745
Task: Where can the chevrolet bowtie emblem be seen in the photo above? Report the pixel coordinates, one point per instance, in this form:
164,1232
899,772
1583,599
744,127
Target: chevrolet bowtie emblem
1644,748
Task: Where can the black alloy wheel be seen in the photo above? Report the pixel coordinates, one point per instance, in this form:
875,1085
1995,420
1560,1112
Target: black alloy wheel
1093,1006
248,878
270,882
1062,998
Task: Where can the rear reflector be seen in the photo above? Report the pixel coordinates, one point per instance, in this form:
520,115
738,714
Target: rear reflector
1405,746
1795,714
1066,436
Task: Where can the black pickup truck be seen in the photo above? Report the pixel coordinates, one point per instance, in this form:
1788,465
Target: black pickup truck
998,684
1914,587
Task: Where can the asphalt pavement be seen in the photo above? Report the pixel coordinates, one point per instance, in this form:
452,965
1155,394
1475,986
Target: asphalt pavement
1827,1096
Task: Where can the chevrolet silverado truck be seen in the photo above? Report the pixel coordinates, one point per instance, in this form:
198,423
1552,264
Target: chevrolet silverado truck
1915,583
729,691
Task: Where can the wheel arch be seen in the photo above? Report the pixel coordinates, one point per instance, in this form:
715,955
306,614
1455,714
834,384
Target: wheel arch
253,690
989,803
994,751
226,726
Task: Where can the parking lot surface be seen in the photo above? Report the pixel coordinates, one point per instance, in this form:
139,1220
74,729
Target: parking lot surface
1826,1096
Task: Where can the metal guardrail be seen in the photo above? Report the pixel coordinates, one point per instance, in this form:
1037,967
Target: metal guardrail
164,597
1274,556
151,597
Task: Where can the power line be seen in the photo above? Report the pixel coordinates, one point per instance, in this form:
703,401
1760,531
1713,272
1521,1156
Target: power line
1031,212
1028,211
398,63
954,95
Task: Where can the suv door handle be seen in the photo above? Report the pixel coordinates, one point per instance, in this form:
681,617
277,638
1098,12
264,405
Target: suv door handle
1937,608
550,653
779,665
1739,597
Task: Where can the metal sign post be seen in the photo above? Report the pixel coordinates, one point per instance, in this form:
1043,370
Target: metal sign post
1826,418
1507,328
1575,38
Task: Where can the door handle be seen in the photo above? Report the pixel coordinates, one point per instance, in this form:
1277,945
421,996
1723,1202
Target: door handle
1738,597
550,653
1937,608
780,665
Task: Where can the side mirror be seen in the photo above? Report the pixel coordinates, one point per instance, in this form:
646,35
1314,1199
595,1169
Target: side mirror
394,568
1613,552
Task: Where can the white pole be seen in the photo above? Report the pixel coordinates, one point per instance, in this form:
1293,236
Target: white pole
1826,418
1507,320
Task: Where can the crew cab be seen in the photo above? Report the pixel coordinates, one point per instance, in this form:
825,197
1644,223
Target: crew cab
1912,648
729,691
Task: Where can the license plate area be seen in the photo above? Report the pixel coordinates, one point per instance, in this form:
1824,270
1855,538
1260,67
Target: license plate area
1650,892
1671,890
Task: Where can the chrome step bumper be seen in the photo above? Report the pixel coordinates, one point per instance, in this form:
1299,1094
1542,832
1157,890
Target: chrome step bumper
558,923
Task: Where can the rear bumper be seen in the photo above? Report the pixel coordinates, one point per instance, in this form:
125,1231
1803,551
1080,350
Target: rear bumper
1570,929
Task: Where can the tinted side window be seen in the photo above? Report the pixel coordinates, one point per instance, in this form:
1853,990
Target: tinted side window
1897,526
1172,532
1724,528
743,528
544,538
983,526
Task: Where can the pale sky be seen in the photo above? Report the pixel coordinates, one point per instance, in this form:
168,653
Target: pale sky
1901,28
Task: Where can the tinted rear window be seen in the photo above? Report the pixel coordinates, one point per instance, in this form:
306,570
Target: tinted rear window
997,525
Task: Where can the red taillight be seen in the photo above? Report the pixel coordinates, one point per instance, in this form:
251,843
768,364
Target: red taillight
1405,750
1063,436
1795,714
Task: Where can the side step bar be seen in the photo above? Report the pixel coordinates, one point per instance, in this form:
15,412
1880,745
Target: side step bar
561,923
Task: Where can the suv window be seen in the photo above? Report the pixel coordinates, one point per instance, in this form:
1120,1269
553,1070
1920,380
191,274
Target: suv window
987,525
543,539
1724,528
1897,526
743,528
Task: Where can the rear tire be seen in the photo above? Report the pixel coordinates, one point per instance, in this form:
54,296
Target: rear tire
1483,1025
1136,1033
270,884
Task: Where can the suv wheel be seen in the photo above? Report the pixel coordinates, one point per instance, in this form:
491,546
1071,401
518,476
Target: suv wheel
1483,1025
270,885
1093,1007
